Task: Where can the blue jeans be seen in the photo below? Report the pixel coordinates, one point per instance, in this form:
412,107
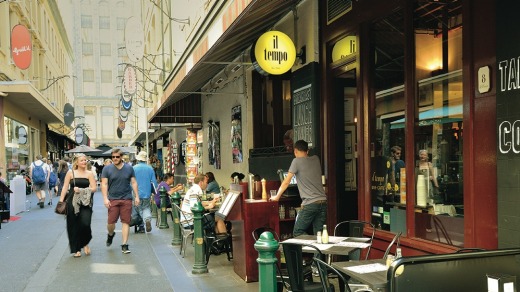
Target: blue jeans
312,214
144,209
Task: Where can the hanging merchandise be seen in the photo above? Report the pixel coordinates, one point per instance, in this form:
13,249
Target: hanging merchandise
236,134
175,153
191,154
200,141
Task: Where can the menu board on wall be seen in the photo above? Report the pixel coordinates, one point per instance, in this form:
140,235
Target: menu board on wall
305,105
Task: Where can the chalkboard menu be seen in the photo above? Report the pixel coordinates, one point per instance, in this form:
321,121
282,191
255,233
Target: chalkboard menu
305,118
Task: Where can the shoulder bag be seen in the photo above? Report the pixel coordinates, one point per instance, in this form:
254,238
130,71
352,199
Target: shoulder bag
61,207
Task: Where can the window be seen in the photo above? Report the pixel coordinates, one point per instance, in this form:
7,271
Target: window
438,132
88,75
121,23
105,49
86,21
106,76
388,81
88,49
104,22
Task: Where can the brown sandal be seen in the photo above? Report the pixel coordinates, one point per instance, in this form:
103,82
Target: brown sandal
86,248
77,254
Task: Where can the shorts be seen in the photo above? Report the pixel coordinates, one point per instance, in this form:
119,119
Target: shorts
39,187
120,209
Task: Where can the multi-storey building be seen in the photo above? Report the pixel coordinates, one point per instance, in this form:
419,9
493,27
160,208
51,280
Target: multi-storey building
34,90
98,38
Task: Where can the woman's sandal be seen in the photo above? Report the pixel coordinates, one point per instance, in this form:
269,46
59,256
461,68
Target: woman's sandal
77,254
86,248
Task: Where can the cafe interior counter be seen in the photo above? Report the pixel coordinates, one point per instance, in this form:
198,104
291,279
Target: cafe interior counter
245,216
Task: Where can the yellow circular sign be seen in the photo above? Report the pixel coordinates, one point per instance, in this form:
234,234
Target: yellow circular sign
343,48
275,52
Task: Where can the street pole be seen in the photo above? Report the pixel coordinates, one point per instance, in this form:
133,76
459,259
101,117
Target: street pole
147,149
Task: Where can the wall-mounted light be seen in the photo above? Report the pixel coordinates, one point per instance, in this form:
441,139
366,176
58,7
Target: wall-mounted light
302,55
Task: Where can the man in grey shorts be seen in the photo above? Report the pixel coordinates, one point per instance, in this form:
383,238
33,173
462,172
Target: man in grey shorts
307,170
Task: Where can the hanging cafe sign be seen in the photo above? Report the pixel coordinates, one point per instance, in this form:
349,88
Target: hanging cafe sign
21,46
273,53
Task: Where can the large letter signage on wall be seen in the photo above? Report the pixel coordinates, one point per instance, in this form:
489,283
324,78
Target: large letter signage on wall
508,119
21,46
274,53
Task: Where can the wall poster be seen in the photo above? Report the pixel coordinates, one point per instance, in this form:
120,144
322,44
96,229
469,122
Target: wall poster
214,144
236,134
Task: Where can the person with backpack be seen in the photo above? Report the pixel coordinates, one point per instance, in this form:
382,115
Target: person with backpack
39,173
53,181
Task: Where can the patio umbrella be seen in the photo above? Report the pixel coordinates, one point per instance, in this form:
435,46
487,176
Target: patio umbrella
103,148
125,150
83,149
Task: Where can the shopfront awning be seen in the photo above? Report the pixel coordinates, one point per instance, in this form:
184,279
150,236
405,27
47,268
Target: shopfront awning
140,137
442,115
24,95
258,17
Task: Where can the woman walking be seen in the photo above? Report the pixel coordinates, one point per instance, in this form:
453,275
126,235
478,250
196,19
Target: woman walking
79,205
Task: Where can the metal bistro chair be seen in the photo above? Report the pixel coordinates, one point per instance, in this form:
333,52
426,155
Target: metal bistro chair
294,260
214,240
396,240
355,228
186,228
327,270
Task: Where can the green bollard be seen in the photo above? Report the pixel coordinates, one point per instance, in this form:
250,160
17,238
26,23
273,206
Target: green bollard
177,236
267,246
154,209
199,267
164,222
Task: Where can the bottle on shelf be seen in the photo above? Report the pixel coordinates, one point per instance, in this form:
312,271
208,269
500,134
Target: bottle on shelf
281,211
324,235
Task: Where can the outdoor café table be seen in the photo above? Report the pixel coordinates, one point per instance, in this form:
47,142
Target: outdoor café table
338,245
370,272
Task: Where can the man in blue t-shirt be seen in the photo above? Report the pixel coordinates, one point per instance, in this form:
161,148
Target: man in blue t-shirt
307,170
117,183
145,176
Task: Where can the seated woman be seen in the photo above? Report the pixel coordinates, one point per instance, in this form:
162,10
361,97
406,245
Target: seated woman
213,187
166,183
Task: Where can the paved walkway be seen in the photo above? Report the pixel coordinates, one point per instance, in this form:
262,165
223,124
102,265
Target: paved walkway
34,256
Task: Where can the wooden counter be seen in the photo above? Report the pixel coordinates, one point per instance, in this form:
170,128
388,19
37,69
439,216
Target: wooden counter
246,216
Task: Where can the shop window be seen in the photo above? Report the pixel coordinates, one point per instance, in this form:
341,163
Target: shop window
439,129
17,146
388,182
272,111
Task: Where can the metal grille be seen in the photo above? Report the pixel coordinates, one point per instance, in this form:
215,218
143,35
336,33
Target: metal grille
336,8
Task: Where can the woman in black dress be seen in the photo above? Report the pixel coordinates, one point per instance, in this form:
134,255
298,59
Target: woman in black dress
79,204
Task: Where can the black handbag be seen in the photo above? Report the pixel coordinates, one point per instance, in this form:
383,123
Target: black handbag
61,207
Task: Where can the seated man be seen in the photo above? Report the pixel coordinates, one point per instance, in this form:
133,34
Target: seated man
191,198
166,183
